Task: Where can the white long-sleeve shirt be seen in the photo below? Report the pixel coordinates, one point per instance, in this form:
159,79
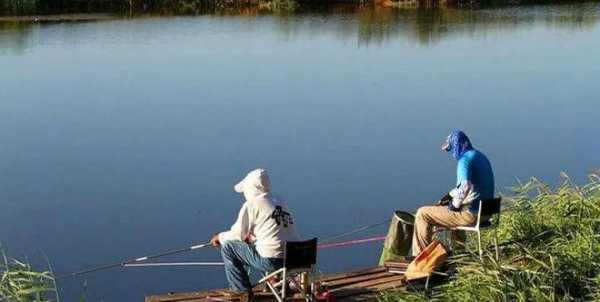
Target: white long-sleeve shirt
463,194
267,221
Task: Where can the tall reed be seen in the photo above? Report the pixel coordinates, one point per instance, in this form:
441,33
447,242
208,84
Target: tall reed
20,283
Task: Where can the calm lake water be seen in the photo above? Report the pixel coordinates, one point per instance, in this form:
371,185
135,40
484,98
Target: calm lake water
122,138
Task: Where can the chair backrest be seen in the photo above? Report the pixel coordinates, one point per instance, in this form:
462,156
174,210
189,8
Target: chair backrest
300,254
490,207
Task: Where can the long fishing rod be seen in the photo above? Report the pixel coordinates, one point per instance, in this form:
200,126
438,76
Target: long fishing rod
321,246
327,243
126,263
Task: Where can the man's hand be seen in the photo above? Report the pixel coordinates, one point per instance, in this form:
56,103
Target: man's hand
215,241
445,200
453,208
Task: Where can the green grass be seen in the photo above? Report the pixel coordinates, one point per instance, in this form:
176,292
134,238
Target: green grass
550,250
19,282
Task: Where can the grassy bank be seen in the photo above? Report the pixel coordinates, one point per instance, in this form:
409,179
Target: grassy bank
19,282
550,251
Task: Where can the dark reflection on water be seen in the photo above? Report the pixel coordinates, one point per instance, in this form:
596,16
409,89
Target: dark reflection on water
376,25
124,137
16,37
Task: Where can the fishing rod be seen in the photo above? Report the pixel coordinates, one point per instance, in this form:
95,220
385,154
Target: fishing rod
321,246
327,243
129,262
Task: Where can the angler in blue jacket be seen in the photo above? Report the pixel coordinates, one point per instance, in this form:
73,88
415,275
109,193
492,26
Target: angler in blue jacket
474,182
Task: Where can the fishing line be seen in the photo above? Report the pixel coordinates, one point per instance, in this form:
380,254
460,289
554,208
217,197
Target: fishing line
354,231
350,242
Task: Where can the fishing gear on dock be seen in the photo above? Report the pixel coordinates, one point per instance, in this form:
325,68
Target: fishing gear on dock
126,263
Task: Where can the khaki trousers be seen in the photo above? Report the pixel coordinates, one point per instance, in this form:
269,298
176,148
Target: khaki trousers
428,217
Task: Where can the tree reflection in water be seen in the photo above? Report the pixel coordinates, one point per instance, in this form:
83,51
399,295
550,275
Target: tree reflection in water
365,24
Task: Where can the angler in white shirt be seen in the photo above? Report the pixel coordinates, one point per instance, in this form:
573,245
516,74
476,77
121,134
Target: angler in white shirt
258,236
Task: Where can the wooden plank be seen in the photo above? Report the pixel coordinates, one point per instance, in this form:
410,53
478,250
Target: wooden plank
357,279
390,285
373,270
214,295
360,285
371,283
366,297
397,267
348,292
396,264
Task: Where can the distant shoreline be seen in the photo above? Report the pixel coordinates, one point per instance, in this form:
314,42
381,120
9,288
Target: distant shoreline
97,10
59,17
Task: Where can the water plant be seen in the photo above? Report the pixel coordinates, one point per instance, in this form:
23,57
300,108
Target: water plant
550,250
19,282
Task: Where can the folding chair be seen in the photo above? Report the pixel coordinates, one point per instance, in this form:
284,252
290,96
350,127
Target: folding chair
487,209
298,257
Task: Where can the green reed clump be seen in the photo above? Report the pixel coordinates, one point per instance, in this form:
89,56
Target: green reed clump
20,283
550,251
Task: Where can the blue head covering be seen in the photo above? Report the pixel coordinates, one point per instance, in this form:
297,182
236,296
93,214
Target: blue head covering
458,143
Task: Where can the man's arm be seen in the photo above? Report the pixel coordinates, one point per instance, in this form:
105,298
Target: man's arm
239,230
460,195
464,185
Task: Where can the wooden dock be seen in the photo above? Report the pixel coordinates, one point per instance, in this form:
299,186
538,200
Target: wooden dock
361,285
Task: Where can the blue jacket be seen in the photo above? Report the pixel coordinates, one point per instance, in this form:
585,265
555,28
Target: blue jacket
474,167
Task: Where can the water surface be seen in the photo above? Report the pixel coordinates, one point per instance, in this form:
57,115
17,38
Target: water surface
121,138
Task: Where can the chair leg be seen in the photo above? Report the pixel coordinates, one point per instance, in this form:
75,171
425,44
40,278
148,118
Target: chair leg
284,284
275,292
479,243
279,294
